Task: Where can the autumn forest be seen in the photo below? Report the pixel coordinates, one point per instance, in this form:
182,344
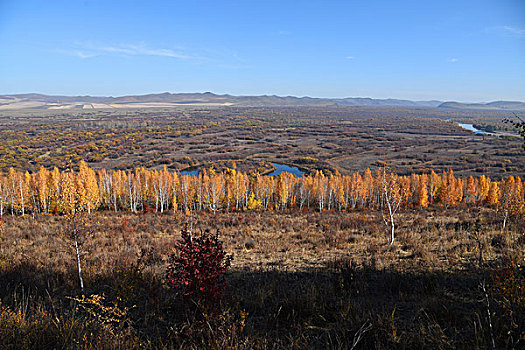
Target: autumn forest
59,192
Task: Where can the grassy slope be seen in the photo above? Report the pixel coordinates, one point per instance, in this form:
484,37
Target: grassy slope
297,281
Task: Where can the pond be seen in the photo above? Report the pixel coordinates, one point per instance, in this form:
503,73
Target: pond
283,168
279,168
191,171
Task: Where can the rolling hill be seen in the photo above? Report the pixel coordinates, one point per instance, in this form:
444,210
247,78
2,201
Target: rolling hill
496,105
40,101
166,100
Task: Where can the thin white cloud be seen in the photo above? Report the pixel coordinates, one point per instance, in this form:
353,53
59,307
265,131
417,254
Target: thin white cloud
84,54
284,32
350,57
142,50
508,31
453,60
515,31
77,53
88,50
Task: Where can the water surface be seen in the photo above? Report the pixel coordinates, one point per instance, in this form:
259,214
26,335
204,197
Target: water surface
283,168
472,128
191,171
279,168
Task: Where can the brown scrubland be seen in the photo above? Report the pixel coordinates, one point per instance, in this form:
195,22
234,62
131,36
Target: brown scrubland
343,139
298,280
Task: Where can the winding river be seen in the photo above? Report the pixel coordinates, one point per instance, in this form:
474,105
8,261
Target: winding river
471,127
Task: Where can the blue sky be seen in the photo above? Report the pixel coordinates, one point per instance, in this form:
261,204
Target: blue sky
446,50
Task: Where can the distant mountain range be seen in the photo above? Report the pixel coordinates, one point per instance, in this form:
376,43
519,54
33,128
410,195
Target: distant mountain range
497,105
163,100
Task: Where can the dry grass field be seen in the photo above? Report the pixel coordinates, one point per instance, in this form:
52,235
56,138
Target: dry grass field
297,280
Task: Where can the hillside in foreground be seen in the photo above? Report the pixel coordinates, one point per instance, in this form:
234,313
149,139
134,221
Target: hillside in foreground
297,280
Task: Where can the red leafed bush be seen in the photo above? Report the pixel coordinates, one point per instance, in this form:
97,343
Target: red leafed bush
197,268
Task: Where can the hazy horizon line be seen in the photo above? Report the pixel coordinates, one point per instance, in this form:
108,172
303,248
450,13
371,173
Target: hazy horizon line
267,95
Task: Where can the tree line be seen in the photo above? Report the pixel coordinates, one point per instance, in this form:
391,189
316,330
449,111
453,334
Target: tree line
60,192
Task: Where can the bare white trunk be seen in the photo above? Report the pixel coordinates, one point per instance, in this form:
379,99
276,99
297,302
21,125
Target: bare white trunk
392,229
78,261
22,198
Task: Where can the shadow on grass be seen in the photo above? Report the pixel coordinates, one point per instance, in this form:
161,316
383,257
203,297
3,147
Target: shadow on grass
339,306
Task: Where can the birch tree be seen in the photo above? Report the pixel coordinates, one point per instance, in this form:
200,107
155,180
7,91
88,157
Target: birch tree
391,200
